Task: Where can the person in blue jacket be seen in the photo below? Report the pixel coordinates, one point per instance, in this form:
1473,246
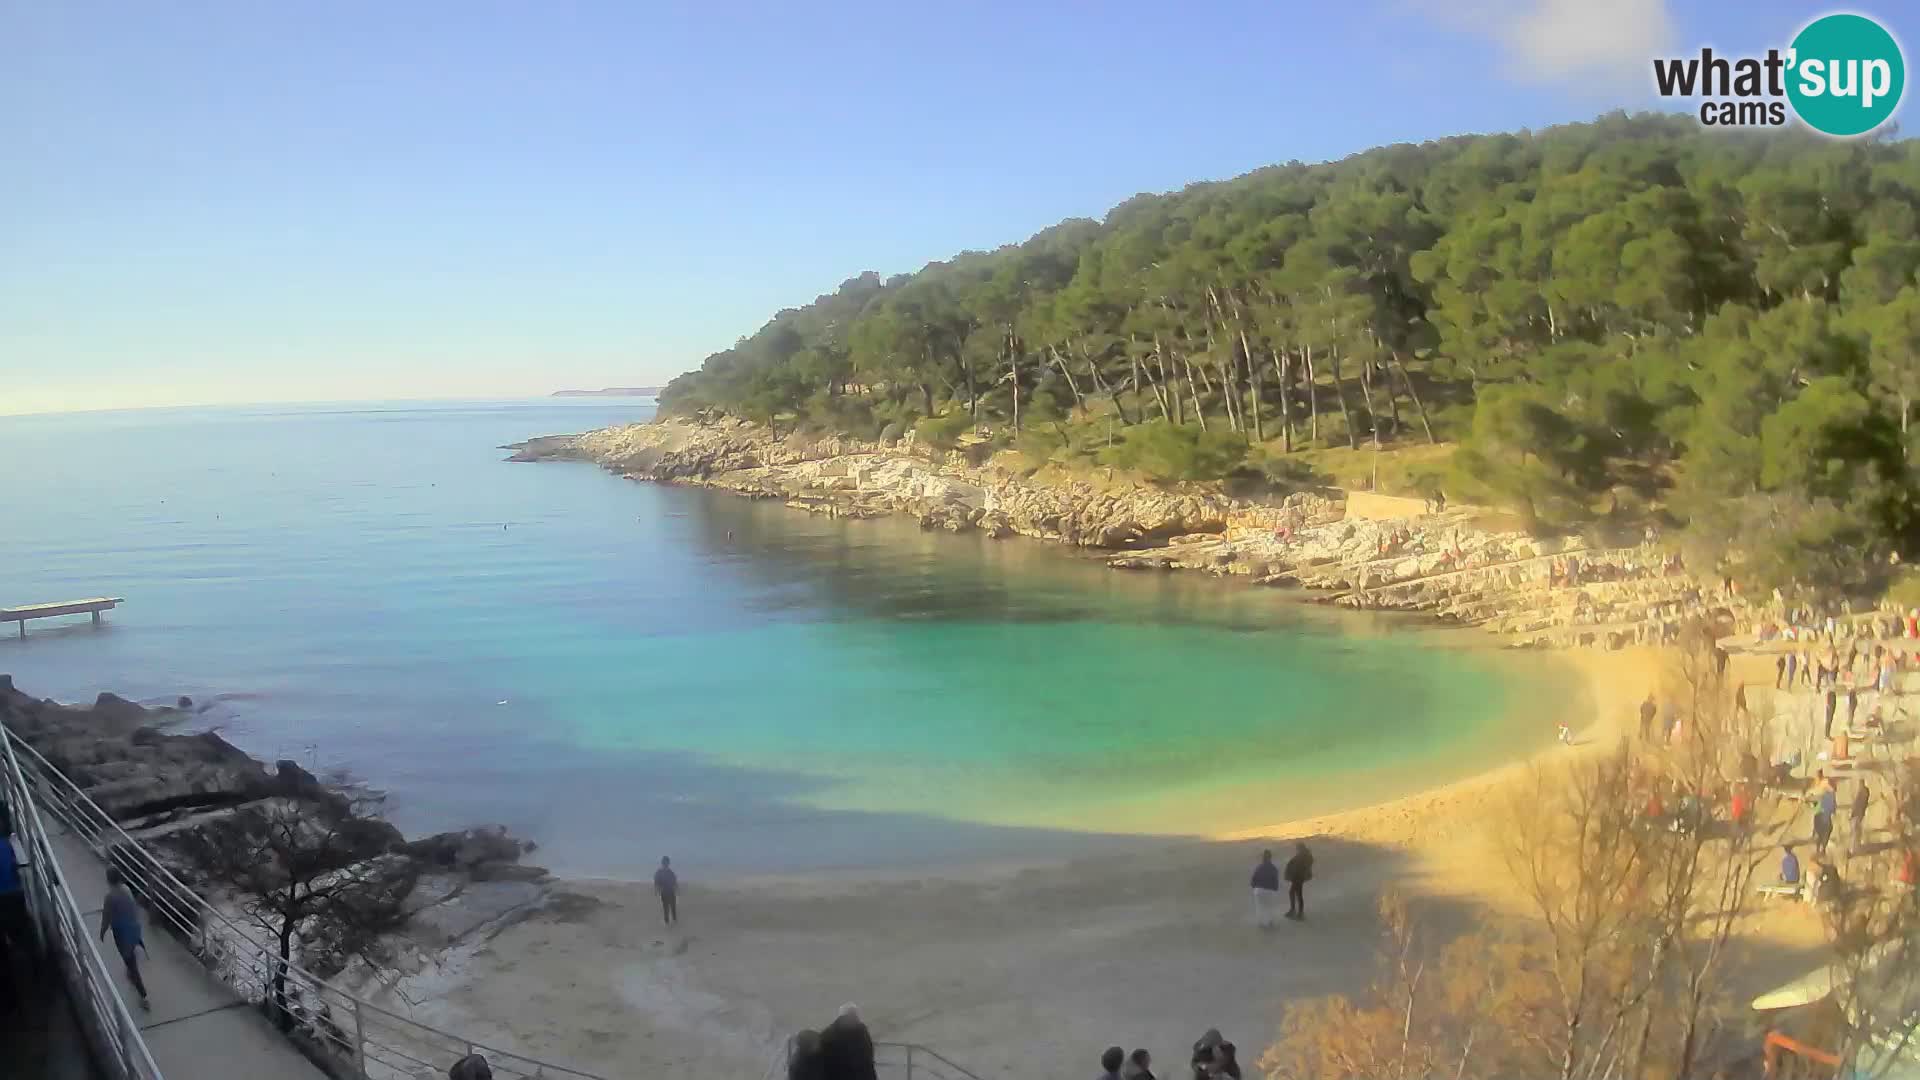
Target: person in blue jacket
121,915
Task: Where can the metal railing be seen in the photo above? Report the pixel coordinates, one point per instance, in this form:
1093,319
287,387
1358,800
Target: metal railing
346,1035
118,1047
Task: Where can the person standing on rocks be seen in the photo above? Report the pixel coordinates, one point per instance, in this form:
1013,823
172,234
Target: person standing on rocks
1266,890
667,884
121,915
1648,710
1299,872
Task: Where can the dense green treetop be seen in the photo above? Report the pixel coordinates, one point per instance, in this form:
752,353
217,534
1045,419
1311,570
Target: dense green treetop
1632,310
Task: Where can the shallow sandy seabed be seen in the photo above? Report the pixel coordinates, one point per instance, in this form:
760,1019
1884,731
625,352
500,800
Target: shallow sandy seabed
1019,971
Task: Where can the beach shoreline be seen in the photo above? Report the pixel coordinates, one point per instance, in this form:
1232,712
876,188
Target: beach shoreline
761,956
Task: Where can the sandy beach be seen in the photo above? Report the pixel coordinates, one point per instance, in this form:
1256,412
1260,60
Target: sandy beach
1014,972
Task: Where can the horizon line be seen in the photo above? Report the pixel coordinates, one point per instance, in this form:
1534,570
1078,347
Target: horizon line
479,398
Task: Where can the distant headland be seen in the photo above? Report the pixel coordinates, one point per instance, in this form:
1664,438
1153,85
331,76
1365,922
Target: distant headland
612,391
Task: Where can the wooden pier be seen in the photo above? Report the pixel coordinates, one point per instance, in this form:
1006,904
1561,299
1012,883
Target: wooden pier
92,607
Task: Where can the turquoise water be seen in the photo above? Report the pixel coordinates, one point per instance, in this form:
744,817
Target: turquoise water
620,669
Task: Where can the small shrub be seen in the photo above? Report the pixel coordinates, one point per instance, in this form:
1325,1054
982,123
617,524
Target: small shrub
1038,445
1174,452
943,431
1287,471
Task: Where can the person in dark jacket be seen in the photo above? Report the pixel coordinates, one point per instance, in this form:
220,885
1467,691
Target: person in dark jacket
804,1062
1266,890
1299,872
846,1048
666,884
1203,1053
1226,1061
1110,1061
1857,815
471,1067
1139,1066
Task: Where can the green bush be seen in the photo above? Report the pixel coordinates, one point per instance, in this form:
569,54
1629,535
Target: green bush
1904,593
1038,445
1287,471
1173,452
943,431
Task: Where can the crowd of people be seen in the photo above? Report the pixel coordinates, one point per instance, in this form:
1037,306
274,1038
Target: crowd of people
1213,1057
843,1050
1266,886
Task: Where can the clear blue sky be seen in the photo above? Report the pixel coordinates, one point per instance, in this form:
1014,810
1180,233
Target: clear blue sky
244,201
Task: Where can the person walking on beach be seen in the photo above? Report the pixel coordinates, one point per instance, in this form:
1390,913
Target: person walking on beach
667,884
122,916
1266,890
1648,710
1299,872
1826,794
1857,816
1793,667
1822,833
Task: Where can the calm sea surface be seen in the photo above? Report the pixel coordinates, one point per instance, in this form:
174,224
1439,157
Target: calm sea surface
620,670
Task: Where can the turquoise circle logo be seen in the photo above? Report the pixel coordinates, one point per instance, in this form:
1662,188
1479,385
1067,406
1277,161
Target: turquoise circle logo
1847,75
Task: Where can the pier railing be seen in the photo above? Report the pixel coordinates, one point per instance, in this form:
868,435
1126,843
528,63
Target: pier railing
118,1047
346,1035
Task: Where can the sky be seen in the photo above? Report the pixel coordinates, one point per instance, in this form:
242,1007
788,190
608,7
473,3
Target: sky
222,202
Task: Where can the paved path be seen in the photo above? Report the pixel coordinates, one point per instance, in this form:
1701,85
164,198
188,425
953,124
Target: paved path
198,1029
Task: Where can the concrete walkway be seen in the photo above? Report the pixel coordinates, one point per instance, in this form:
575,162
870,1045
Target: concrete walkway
198,1029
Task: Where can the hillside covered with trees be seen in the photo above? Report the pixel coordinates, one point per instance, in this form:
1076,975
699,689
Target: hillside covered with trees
1628,318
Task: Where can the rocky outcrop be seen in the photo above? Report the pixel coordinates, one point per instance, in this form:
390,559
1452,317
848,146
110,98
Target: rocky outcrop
848,477
164,788
1537,591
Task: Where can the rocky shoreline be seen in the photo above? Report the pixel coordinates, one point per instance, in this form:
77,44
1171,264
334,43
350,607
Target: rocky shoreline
164,788
1386,555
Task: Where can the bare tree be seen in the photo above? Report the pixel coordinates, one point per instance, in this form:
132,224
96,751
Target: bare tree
1872,923
1636,876
318,869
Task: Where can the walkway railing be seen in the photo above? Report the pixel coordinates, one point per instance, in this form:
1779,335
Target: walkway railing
108,1024
346,1035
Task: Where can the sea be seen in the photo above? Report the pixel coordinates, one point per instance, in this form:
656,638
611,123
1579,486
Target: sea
619,670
